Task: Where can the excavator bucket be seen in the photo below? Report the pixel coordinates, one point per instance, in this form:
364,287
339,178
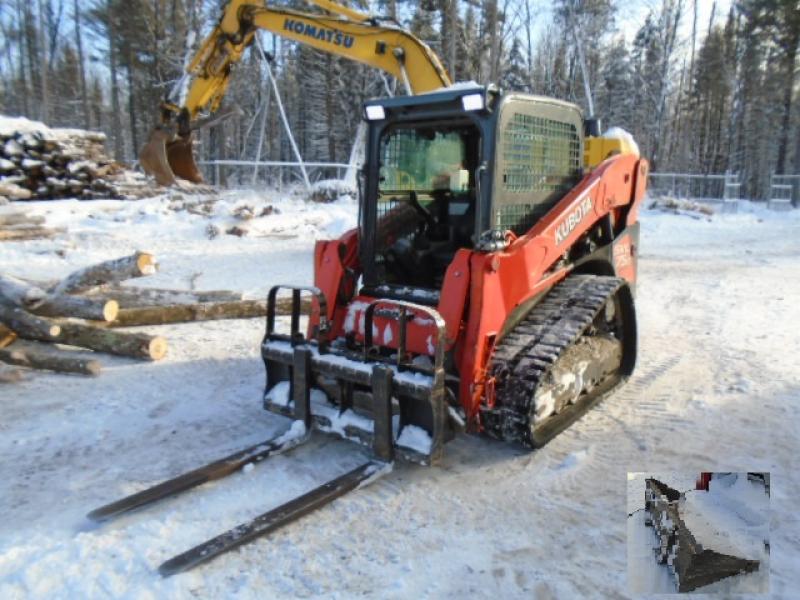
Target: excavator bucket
167,159
181,159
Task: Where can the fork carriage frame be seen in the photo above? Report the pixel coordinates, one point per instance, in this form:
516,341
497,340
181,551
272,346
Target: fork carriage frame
400,393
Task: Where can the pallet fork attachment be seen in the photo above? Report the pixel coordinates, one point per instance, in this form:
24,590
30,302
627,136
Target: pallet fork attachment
276,518
210,472
395,392
298,434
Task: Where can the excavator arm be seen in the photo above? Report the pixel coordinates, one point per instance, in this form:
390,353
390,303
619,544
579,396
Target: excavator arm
347,33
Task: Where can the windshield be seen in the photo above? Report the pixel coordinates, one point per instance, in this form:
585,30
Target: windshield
426,203
424,160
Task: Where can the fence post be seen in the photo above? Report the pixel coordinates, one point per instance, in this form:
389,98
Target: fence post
730,193
780,192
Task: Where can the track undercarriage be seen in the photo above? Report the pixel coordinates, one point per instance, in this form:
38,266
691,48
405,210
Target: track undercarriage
575,346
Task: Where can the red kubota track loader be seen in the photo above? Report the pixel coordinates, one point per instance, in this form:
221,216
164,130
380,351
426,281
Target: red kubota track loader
487,288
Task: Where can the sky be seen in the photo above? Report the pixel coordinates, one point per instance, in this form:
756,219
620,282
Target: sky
631,15
635,11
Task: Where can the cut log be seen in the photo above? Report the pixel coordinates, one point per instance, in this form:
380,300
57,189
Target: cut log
10,375
110,271
185,313
81,307
27,326
135,297
41,356
20,219
6,336
20,234
14,191
134,345
19,292
34,299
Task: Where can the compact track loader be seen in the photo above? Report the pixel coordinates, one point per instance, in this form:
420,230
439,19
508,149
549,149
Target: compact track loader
488,287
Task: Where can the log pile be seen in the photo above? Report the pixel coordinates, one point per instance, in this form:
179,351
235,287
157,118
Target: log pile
87,308
39,163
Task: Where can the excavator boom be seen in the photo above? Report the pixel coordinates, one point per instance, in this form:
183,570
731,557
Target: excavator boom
348,33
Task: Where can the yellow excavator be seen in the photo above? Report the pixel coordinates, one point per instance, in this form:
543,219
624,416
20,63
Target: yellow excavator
340,30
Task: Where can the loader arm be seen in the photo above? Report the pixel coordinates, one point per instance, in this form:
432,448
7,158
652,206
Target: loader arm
349,33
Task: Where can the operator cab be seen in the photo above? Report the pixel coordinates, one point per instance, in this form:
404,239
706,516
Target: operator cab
426,200
421,198
434,183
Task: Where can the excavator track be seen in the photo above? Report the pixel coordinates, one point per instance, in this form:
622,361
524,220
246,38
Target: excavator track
575,346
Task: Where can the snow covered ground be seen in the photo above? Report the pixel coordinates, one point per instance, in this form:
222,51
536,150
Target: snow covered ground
716,389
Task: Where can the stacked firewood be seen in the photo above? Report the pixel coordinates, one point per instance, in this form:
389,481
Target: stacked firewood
87,308
38,163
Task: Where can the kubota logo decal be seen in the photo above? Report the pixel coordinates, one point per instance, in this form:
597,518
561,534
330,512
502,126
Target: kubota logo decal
332,36
572,219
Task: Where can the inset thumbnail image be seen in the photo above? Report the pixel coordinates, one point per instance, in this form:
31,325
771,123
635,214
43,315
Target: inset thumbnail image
704,532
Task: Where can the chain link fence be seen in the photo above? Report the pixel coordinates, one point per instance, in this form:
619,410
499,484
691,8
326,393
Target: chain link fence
277,175
784,192
723,190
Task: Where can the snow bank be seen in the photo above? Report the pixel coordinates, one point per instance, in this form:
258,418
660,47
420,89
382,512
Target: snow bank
618,133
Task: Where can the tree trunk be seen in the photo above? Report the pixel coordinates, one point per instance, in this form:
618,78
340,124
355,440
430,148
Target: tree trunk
130,297
21,59
134,345
36,301
10,375
454,33
44,67
33,58
115,103
786,119
20,293
138,264
492,25
27,326
28,233
81,65
131,100
185,313
11,219
79,307
42,356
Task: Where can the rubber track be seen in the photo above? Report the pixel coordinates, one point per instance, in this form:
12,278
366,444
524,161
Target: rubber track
525,356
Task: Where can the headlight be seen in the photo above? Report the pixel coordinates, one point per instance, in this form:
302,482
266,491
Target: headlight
472,102
375,112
